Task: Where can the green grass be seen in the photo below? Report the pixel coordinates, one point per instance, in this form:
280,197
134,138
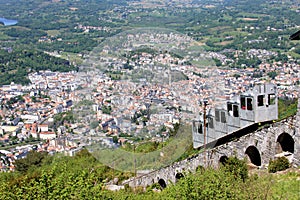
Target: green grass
227,17
72,57
53,32
286,186
251,15
234,33
286,108
83,177
3,36
203,63
220,28
294,54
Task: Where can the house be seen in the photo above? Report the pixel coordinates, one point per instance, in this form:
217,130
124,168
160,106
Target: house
122,141
58,109
113,129
15,121
43,127
108,123
67,103
30,117
10,129
47,135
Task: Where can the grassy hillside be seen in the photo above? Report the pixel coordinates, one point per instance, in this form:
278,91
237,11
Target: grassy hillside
83,177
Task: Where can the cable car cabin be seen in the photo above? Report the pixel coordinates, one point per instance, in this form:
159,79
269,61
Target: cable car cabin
259,104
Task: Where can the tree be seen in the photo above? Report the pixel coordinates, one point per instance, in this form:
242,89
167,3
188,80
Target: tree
33,159
94,124
84,153
279,164
236,167
272,74
218,62
115,139
236,76
106,109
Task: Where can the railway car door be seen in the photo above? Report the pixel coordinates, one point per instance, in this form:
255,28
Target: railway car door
233,122
221,122
198,136
210,127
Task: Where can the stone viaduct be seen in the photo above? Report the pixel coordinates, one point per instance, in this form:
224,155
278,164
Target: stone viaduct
278,139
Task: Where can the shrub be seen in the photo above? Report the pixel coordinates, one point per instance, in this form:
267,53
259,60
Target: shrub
154,186
278,164
236,167
200,169
33,159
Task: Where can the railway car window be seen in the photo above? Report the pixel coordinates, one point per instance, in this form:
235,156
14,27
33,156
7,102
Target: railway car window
223,117
271,99
235,111
200,130
194,126
217,115
229,109
210,123
260,100
249,104
243,103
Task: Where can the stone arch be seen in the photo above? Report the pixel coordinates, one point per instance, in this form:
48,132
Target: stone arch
179,175
253,155
285,142
223,159
162,183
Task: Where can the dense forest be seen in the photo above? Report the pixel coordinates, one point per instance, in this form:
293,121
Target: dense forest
16,64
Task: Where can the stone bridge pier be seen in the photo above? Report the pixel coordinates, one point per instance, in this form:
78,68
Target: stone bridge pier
259,147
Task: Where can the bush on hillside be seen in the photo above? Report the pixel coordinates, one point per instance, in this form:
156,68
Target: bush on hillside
279,164
236,167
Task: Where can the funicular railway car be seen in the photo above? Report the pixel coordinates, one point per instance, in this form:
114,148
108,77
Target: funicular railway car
258,104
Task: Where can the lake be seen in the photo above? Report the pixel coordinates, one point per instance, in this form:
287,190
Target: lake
8,22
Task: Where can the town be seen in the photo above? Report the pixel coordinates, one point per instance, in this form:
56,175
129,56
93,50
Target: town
142,95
